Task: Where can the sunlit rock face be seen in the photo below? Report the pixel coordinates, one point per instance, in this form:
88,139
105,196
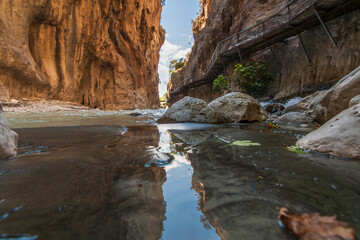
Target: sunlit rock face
99,53
328,63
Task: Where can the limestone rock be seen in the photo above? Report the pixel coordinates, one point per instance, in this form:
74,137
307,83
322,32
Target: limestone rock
238,107
99,53
354,101
339,136
294,117
292,108
8,139
310,101
189,109
337,98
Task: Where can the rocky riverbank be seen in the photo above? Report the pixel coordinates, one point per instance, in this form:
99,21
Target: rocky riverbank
41,106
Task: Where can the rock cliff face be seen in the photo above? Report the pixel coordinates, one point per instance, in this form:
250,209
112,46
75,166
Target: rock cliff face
218,20
100,53
297,77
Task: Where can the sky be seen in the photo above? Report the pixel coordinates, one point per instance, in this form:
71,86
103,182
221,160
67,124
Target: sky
176,20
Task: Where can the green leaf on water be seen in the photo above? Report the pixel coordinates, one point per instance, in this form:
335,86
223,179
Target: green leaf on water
245,143
295,149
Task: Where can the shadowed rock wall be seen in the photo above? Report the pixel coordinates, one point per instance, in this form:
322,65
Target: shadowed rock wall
328,63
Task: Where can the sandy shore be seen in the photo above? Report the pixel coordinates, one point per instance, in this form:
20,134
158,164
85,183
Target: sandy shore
41,106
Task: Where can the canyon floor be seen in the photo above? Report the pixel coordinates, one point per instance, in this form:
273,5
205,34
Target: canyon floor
113,174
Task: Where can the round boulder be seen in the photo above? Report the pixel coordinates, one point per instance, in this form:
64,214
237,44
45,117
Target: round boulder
339,136
189,109
238,107
8,139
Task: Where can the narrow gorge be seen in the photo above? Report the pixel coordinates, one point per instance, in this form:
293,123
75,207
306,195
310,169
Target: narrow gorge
101,54
256,134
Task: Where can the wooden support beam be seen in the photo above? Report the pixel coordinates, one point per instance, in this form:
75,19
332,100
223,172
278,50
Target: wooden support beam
304,48
325,28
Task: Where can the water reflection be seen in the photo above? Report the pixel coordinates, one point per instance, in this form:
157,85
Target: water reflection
184,220
171,181
240,188
93,184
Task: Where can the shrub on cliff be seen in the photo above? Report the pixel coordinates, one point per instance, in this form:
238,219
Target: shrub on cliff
253,78
177,64
220,84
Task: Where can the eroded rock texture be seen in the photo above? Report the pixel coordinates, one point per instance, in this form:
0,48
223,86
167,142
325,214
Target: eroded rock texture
296,77
100,53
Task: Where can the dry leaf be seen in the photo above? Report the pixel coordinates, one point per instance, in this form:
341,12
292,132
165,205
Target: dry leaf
315,227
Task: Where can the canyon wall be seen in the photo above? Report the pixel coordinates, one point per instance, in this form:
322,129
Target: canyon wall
100,53
296,76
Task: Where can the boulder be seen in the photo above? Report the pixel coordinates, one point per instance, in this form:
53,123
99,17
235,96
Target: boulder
354,101
339,136
275,108
292,108
8,139
189,109
337,98
310,101
238,107
294,117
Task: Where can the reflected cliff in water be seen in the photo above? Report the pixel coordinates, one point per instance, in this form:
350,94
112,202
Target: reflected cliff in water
241,188
84,183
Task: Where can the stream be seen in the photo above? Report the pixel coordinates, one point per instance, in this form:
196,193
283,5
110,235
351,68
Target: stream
110,175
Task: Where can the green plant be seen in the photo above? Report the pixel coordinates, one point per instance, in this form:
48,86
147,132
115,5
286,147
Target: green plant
220,84
177,64
253,78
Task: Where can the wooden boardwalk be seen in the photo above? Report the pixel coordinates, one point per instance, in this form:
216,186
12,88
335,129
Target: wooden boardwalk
289,20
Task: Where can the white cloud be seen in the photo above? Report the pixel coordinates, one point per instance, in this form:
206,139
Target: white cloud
168,52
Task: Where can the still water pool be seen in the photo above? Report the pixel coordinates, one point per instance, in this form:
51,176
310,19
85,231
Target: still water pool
108,175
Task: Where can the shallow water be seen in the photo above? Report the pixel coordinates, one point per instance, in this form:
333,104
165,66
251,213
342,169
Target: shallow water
107,175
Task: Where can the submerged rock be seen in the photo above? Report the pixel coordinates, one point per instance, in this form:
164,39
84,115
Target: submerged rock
238,107
337,98
294,117
339,136
8,139
275,108
189,109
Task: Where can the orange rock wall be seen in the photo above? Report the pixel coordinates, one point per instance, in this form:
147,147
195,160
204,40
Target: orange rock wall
100,53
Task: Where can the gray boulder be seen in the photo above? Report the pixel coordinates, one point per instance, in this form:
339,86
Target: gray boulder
8,139
354,101
294,117
238,107
337,98
310,101
339,136
292,108
189,109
